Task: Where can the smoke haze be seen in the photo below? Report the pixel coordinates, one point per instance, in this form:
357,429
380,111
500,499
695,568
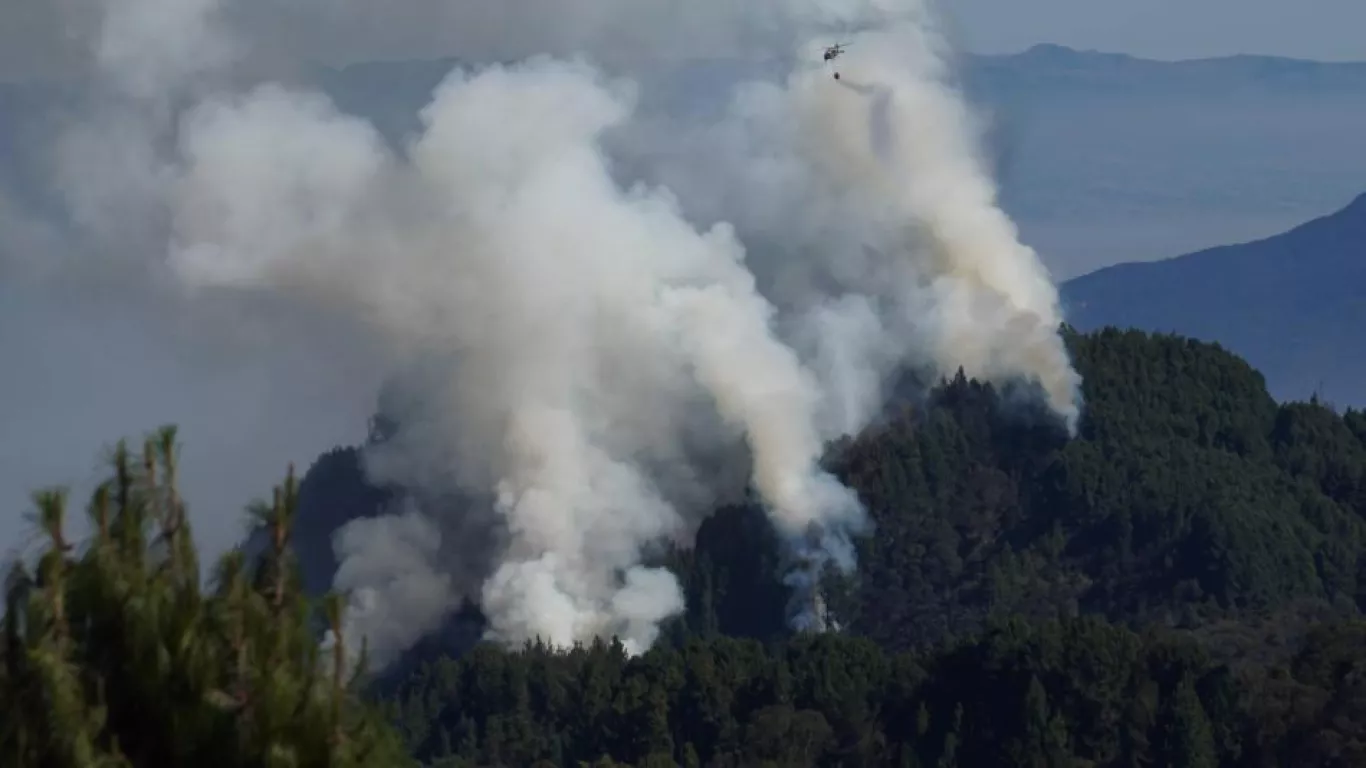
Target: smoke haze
587,298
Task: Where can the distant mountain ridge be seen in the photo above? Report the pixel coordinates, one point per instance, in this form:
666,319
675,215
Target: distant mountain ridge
992,76
1102,157
1046,58
1057,65
1294,305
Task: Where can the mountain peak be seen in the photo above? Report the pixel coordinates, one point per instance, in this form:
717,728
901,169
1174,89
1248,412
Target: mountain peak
1290,303
1339,228
1062,54
1050,49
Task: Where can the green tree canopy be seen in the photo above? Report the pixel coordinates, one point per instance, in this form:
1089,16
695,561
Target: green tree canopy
115,655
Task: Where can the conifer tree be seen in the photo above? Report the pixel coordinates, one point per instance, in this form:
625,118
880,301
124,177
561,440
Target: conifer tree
116,656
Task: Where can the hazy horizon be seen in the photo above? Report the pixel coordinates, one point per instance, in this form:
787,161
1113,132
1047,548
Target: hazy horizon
41,39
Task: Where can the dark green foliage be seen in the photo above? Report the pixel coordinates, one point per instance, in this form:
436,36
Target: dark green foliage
1181,584
1178,585
117,657
1075,692
1188,494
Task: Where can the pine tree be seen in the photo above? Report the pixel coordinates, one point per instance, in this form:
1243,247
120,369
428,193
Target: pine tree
116,657
1188,739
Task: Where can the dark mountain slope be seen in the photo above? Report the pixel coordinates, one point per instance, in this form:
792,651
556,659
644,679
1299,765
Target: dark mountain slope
1294,305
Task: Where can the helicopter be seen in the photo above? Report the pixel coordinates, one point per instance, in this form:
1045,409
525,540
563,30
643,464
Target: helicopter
833,51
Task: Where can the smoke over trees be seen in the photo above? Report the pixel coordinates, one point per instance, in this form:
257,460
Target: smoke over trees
577,342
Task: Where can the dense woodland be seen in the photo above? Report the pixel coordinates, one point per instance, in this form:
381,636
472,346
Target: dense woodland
1180,585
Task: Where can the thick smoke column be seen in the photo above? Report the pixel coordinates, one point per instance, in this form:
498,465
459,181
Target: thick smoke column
760,384
516,250
904,139
582,338
882,241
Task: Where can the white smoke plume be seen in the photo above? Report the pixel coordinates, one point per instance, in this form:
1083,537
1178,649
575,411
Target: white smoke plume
903,139
600,294
884,244
397,598
503,237
153,48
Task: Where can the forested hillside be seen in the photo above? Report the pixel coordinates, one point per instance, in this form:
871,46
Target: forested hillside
1181,585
